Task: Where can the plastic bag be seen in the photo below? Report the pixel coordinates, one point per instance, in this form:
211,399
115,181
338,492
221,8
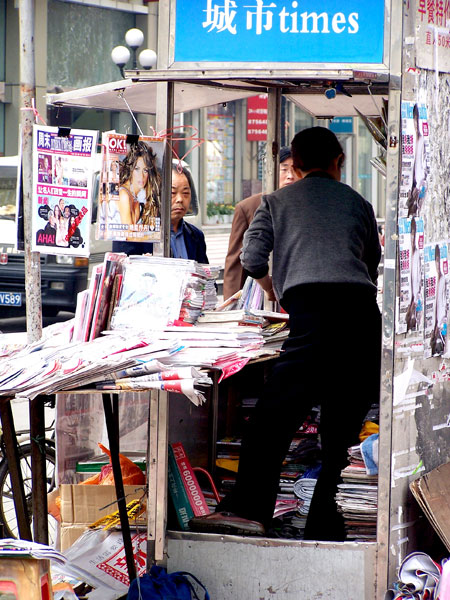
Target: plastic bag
160,585
131,473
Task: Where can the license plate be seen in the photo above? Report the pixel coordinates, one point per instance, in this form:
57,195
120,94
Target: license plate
10,299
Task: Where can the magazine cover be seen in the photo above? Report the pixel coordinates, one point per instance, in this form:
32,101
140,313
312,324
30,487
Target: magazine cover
63,169
436,298
411,242
415,159
130,188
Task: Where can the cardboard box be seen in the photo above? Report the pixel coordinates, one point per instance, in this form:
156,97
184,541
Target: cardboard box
68,535
432,492
22,577
85,504
82,505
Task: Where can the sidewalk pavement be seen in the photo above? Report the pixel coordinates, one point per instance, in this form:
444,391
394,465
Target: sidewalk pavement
216,237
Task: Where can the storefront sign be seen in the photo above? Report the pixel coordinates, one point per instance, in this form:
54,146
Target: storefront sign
257,118
279,31
342,125
433,35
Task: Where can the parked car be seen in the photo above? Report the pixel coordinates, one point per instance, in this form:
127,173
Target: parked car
62,277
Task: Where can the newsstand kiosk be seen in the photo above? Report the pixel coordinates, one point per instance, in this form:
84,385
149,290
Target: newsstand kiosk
210,52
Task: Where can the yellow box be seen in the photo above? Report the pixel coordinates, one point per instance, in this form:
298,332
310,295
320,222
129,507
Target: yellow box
25,577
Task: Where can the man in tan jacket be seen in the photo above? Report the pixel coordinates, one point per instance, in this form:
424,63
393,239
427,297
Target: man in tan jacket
234,275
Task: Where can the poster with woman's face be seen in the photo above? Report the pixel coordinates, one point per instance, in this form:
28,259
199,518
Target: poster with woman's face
436,299
411,305
415,159
130,202
63,169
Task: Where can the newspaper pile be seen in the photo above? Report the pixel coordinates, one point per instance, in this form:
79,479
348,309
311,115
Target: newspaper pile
23,548
299,474
357,498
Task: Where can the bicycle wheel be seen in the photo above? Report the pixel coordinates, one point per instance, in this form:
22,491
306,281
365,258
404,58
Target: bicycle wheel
7,509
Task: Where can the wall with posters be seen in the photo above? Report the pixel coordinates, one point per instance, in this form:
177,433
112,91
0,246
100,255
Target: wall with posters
421,394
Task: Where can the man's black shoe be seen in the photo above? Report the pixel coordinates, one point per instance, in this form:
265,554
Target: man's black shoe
226,522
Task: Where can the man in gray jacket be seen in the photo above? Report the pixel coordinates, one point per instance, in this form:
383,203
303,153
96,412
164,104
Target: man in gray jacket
326,251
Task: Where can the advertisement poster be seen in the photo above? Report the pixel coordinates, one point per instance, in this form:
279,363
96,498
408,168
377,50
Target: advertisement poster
220,158
433,35
63,169
436,298
130,188
415,159
411,246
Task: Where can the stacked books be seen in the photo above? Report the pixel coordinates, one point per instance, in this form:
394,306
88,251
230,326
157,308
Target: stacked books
229,319
275,334
252,295
357,498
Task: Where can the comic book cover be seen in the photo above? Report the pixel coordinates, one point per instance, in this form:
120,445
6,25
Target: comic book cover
63,169
130,188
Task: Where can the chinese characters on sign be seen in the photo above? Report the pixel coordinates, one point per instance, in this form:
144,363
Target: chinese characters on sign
279,31
433,34
257,118
62,188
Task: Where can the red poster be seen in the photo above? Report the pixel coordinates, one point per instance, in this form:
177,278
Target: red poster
257,118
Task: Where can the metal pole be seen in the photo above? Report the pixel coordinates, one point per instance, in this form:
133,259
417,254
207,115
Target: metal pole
385,555
110,406
38,470
15,471
27,95
273,140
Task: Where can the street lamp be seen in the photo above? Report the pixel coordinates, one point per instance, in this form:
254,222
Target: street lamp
134,38
121,54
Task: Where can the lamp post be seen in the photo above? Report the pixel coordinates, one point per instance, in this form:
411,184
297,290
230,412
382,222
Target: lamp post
121,54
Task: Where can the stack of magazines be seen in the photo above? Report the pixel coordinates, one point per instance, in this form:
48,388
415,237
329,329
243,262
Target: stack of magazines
298,477
357,498
156,291
212,274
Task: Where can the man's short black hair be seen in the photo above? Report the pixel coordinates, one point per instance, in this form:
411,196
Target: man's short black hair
315,148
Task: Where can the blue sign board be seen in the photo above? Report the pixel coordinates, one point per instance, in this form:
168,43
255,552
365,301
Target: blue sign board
279,31
342,125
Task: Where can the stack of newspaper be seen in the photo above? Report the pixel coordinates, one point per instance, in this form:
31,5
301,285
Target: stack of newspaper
357,498
24,548
229,319
212,273
298,478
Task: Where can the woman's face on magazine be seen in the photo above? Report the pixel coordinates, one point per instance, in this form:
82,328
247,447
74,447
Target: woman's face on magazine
139,176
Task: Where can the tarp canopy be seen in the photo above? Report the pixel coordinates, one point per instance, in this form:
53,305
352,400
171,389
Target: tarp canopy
141,96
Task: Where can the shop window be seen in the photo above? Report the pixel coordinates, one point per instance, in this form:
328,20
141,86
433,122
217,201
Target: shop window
220,154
